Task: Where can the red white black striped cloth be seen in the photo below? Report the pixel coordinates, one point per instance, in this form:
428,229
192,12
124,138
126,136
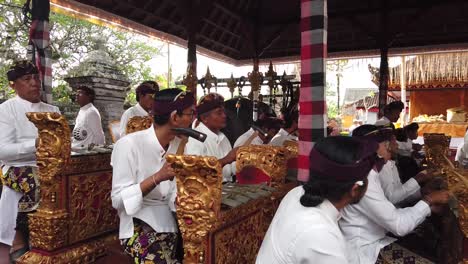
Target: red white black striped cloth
39,38
312,121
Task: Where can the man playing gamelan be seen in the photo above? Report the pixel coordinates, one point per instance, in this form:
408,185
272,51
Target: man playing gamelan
18,142
365,225
143,184
210,111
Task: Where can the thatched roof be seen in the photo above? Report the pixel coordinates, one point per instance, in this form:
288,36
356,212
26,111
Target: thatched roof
237,30
370,101
430,71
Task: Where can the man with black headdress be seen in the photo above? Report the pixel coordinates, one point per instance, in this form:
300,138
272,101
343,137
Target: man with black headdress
143,184
365,225
210,111
18,141
305,226
144,96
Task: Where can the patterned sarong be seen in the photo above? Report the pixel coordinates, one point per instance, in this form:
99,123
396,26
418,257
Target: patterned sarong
24,180
147,246
396,254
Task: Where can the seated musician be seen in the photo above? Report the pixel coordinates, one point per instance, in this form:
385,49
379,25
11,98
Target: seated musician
143,184
408,152
18,141
88,126
395,191
144,96
270,125
392,113
289,131
210,111
365,225
304,228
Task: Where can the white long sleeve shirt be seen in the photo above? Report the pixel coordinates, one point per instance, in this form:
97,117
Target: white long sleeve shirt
17,134
17,148
88,120
365,224
135,110
136,157
394,190
281,137
216,145
244,137
305,235
405,148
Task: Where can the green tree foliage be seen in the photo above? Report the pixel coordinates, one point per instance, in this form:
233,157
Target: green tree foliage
71,40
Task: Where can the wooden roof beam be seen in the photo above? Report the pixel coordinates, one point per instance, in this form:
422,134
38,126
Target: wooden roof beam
333,13
218,43
221,28
272,39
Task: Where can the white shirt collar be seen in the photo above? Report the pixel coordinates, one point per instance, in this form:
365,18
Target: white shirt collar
330,210
86,107
210,134
26,103
154,139
140,108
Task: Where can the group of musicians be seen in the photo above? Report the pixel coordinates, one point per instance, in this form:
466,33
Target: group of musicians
342,214
143,190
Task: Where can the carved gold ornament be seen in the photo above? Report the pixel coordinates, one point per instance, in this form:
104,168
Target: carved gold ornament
198,201
191,80
75,209
138,123
270,159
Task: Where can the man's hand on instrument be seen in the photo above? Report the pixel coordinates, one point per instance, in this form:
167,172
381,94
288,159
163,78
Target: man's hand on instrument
437,198
164,174
230,157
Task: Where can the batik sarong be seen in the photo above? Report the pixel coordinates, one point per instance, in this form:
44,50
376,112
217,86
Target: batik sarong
24,180
396,254
147,246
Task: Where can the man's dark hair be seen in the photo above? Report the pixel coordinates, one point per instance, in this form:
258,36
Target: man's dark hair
413,127
342,150
363,130
146,87
166,95
88,91
290,118
394,106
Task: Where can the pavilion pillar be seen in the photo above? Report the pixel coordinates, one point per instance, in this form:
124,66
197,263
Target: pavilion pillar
312,124
403,89
384,44
193,20
383,80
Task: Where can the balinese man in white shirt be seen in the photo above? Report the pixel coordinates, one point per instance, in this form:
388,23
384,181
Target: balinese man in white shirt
305,228
289,132
365,225
88,126
269,125
143,184
18,141
392,112
144,96
210,111
395,191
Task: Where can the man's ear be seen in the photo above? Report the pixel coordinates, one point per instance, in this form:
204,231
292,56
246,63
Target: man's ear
173,118
356,191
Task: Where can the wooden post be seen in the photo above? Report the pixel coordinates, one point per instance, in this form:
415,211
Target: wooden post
383,41
403,89
383,80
